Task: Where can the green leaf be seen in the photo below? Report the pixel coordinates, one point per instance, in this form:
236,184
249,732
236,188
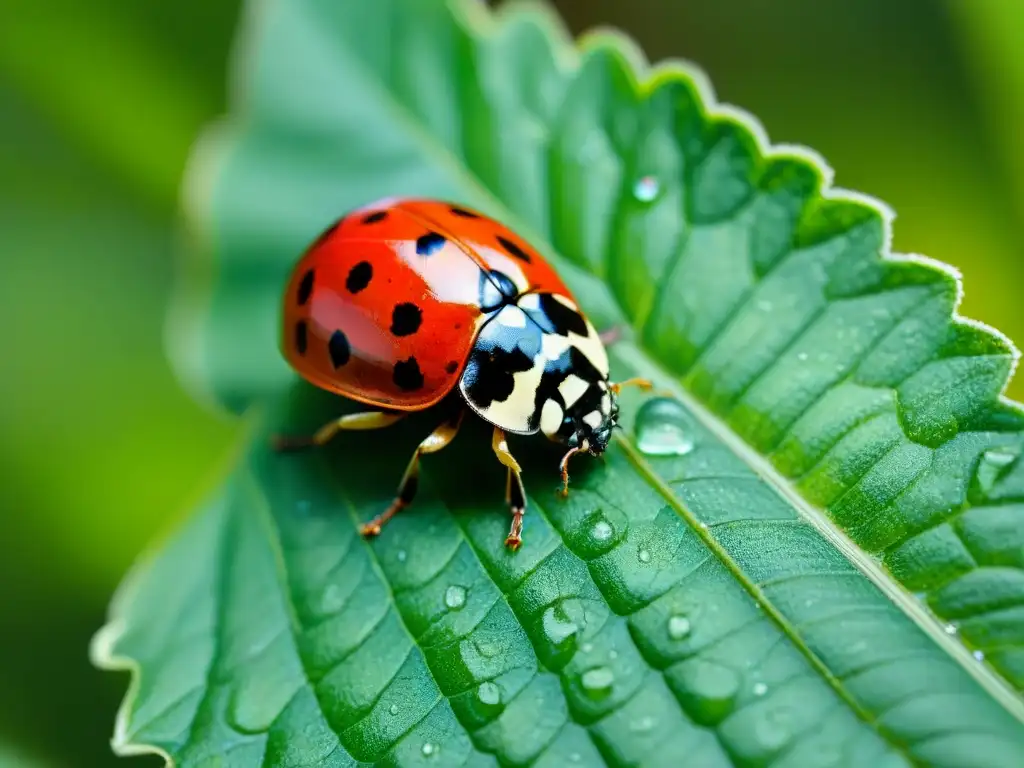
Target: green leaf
810,556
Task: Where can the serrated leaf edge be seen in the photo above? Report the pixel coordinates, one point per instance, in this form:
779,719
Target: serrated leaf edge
188,355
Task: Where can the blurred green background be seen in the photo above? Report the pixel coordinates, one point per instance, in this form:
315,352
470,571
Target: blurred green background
917,102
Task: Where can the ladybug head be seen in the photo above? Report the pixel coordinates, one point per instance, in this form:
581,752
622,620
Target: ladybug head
587,425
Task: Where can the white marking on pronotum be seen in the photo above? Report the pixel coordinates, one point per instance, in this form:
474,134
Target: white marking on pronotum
572,389
529,301
512,317
550,417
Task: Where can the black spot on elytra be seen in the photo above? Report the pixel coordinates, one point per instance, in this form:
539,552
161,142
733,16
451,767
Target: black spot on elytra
373,218
452,366
429,244
407,375
514,249
359,277
305,288
301,337
464,213
405,319
339,349
554,317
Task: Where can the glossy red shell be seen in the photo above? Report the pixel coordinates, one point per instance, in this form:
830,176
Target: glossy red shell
385,306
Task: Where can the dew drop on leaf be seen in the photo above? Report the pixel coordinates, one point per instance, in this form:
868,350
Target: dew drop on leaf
428,749
489,694
597,682
772,731
678,627
644,556
455,597
646,189
760,689
558,627
663,428
979,655
402,555
487,649
599,532
602,530
393,709
1000,457
950,629
710,690
992,466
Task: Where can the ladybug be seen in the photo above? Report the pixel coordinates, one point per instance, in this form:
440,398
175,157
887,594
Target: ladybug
406,302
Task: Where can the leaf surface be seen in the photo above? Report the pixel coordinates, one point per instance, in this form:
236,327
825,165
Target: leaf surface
809,555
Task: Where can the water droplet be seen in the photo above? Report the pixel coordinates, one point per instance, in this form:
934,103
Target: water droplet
678,627
710,689
991,468
646,188
455,597
487,649
1000,457
802,356
643,724
613,654
586,648
703,525
602,530
760,689
393,709
979,655
428,749
772,731
402,555
597,682
599,532
764,305
663,428
558,627
950,629
575,757
644,556
489,694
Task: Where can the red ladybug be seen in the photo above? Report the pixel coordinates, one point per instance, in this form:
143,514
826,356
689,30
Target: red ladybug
402,301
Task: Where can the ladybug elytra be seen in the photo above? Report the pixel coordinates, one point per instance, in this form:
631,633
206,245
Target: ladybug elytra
403,301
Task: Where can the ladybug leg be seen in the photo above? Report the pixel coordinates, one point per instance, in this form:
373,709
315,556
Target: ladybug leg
349,422
644,384
515,494
434,442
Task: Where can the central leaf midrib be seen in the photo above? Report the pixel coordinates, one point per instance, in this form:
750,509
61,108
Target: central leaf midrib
909,604
761,467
